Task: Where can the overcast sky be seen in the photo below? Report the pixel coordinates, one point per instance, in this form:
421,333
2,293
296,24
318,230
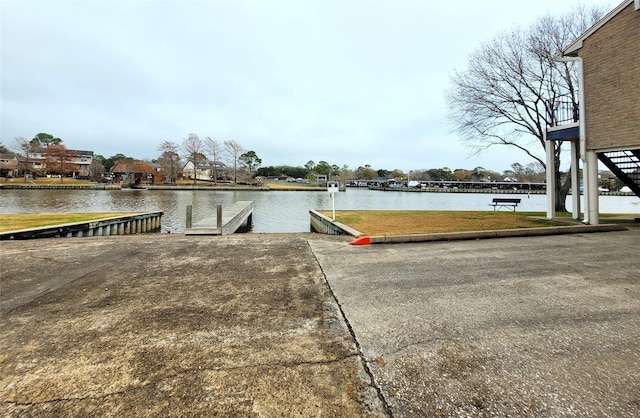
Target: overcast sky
347,82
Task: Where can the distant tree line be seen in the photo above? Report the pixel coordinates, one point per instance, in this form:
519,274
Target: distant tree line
229,159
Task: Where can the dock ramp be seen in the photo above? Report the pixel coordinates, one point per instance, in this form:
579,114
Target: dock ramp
227,220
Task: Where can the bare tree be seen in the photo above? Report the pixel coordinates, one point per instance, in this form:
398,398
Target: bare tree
193,149
96,170
24,148
59,160
510,91
170,159
215,151
233,151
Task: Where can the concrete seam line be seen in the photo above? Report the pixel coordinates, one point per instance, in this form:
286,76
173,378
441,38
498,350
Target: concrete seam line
363,360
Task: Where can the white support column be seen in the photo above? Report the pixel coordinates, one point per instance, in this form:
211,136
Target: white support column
551,183
575,179
591,167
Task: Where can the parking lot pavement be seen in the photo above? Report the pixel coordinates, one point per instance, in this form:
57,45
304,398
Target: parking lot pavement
167,325
536,326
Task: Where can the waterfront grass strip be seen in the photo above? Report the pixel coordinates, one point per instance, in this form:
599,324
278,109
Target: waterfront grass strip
394,222
18,221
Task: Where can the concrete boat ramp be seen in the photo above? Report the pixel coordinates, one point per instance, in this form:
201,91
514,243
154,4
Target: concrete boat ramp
282,325
227,220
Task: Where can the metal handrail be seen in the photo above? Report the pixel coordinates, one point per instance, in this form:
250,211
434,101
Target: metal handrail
566,112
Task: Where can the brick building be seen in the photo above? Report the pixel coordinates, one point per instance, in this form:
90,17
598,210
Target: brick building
608,129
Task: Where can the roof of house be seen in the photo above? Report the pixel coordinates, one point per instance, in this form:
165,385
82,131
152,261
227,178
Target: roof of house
132,167
205,165
43,150
572,50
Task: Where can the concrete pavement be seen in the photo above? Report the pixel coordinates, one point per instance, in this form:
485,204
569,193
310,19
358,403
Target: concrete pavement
304,324
168,325
536,326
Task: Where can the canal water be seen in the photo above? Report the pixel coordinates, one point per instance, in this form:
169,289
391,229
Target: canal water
275,211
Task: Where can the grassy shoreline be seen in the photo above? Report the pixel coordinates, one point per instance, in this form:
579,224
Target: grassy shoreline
369,222
18,221
395,222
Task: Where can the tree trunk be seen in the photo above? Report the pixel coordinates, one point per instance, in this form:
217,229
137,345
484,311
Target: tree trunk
562,192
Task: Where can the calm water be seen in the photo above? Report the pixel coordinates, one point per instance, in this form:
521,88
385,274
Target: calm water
275,211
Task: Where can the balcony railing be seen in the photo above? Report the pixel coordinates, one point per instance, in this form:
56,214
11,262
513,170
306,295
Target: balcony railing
565,112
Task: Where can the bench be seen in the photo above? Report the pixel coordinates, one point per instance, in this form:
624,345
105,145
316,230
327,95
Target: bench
504,203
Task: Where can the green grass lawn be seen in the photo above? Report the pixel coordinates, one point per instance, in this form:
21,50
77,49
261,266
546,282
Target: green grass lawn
43,181
15,222
393,222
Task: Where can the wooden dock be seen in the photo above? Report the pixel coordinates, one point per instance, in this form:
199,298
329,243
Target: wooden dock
227,222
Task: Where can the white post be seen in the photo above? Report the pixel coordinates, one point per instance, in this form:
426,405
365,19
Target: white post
583,141
332,188
189,216
333,205
575,179
592,187
551,183
583,144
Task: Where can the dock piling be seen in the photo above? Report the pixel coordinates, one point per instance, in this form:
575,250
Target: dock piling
189,215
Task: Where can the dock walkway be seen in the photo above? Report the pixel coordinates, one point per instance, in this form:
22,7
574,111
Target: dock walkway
232,217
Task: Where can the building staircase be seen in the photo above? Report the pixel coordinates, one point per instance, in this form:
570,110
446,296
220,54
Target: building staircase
565,126
625,165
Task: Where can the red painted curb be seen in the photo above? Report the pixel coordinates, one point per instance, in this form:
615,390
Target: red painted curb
361,241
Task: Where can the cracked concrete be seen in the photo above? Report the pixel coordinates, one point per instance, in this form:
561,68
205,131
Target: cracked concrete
536,326
304,324
159,325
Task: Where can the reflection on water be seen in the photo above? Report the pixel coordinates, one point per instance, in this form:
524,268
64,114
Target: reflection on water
275,211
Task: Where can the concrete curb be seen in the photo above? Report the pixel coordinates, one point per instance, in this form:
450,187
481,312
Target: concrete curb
326,225
473,235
